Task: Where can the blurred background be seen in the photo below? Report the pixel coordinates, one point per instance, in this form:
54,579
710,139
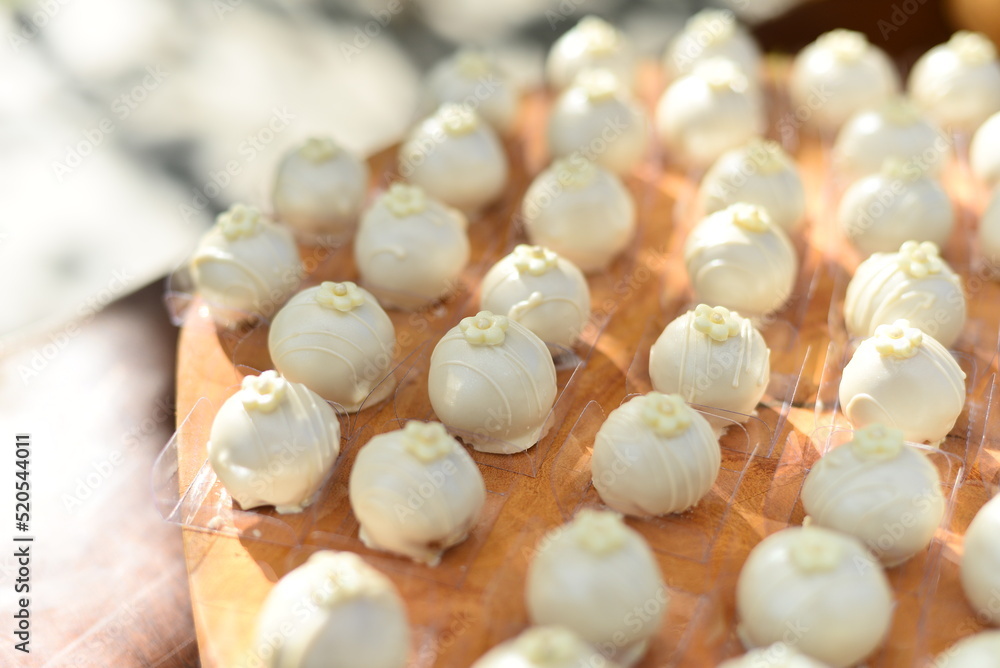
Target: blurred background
126,125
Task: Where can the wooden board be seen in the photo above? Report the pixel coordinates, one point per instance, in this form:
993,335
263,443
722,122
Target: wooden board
475,598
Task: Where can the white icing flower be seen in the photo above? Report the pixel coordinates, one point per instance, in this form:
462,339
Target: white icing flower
599,532
484,329
403,199
472,64
600,38
749,217
767,155
845,45
901,169
972,48
319,149
239,221
717,323
598,85
549,645
816,551
722,74
427,441
534,260
898,340
900,111
666,414
263,393
574,172
457,119
344,296
711,26
920,260
877,442
347,577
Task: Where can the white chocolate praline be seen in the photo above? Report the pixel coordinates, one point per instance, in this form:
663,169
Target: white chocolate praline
319,189
739,259
456,158
589,576
903,378
416,492
543,647
823,586
592,43
776,655
976,651
989,232
713,110
273,443
654,455
958,83
759,173
492,379
244,266
983,153
336,340
471,76
541,290
334,611
914,284
713,357
581,118
881,212
581,211
879,489
712,33
410,249
980,566
840,74
895,129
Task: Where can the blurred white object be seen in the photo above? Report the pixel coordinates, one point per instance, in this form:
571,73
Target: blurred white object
712,33
985,151
593,43
472,78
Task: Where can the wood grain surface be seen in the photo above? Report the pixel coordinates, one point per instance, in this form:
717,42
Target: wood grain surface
475,598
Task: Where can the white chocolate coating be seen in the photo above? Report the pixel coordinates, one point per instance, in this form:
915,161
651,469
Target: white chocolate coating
273,443
777,655
592,43
989,231
597,115
983,153
334,611
976,651
494,380
840,74
654,455
895,129
880,212
958,83
245,267
541,290
589,576
410,249
319,189
739,259
759,173
713,110
914,284
903,378
581,211
416,492
713,357
543,647
336,340
878,489
456,158
711,33
821,585
980,567
471,77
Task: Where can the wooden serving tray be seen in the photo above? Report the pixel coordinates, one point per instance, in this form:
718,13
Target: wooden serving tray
475,598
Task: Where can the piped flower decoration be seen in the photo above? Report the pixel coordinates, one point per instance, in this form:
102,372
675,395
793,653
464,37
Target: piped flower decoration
718,323
472,64
342,297
750,218
711,26
816,551
600,38
403,199
484,329
598,531
457,119
900,169
920,260
845,45
598,85
972,48
547,645
768,156
427,441
666,414
346,578
534,260
898,340
263,393
319,149
898,110
722,74
240,221
877,442
574,172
